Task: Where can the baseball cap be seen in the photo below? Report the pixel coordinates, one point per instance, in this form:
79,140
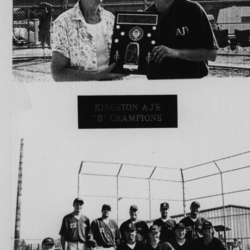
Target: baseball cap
48,242
134,208
154,229
164,205
195,204
206,224
106,207
78,200
130,227
91,243
179,226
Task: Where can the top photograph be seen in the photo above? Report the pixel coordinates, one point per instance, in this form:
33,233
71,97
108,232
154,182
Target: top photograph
115,40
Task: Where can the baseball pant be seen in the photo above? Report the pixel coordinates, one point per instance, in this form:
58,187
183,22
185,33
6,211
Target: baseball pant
76,246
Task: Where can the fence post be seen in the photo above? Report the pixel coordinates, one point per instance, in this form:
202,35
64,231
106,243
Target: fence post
183,193
224,214
149,186
64,5
117,194
80,170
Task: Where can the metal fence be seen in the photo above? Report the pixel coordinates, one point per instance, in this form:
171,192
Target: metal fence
214,184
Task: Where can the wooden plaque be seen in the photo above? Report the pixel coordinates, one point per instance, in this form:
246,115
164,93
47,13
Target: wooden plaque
135,35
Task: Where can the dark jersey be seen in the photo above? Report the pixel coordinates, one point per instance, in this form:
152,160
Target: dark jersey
188,245
193,227
167,229
160,246
184,26
141,227
105,235
138,246
215,244
74,230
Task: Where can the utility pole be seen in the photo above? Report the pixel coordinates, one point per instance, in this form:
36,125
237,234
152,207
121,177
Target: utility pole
18,200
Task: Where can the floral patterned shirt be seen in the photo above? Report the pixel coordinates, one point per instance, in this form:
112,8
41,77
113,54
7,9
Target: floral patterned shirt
71,37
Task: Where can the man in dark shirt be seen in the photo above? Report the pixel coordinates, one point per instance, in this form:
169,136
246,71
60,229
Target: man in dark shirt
130,242
105,231
75,228
166,223
193,222
179,242
155,242
141,226
208,242
186,41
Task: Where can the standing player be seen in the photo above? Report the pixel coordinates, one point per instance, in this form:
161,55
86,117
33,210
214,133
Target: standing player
166,223
141,226
75,228
179,242
105,231
193,222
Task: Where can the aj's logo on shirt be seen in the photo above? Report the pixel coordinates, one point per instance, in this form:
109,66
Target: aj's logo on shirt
72,225
101,230
182,31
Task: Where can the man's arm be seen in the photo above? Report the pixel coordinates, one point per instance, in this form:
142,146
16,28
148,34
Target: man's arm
63,242
193,55
62,72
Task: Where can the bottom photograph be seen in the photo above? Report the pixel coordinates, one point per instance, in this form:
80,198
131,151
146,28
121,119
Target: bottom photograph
180,187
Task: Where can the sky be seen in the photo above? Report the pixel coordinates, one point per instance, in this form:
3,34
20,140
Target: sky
213,123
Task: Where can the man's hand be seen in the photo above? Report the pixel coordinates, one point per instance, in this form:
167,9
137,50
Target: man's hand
160,52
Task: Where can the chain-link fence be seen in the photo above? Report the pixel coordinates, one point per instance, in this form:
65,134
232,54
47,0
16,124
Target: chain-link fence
31,27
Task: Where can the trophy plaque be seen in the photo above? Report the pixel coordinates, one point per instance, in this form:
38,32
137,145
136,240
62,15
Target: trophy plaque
135,35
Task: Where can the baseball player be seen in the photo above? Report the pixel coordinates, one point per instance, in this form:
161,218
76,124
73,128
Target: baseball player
180,242
155,242
75,228
130,242
104,230
141,226
193,222
166,223
48,244
208,241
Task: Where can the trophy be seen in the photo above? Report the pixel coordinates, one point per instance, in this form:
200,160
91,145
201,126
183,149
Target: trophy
135,35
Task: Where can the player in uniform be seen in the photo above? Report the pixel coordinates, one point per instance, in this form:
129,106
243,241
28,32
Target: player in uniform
75,228
104,230
166,223
186,41
155,243
193,222
141,226
130,242
179,242
208,241
48,244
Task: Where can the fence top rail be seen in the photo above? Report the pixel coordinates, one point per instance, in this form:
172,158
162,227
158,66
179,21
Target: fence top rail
221,159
